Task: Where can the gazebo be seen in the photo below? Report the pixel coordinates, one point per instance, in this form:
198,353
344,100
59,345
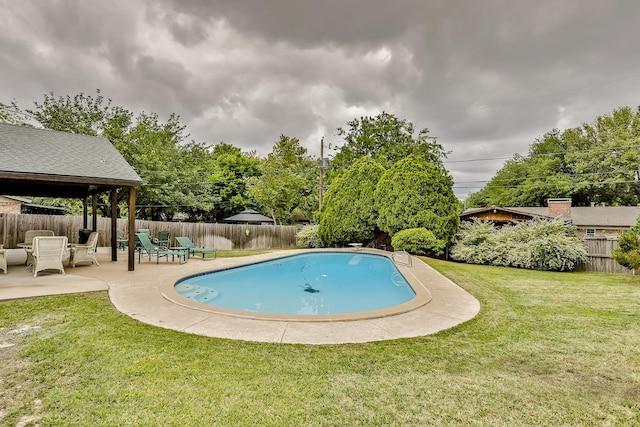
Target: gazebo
248,216
42,162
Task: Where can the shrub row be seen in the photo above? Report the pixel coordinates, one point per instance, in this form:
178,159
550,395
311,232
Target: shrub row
537,244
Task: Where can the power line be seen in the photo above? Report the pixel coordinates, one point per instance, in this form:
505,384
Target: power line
566,175
477,160
484,159
571,185
591,150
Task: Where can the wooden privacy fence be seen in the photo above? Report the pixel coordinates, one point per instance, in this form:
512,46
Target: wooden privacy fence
219,236
232,236
600,250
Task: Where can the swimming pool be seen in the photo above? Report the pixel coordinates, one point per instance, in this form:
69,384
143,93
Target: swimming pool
309,284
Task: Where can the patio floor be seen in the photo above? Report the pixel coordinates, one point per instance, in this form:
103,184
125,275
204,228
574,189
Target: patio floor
142,294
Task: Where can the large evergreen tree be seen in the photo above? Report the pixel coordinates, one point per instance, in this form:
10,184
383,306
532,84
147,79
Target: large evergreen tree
417,194
348,213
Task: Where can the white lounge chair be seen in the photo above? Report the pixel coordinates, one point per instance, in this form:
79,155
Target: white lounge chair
48,253
85,252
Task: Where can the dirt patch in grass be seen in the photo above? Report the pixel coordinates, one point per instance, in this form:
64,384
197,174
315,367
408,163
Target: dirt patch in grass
19,402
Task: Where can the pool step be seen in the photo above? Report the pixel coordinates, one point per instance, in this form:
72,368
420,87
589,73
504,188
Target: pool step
196,292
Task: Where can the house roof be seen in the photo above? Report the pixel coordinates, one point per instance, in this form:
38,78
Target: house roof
248,216
581,216
602,216
16,198
44,208
27,203
516,211
51,163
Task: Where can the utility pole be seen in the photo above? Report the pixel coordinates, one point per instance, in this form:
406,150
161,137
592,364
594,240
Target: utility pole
321,171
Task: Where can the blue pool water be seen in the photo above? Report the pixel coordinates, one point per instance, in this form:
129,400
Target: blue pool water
307,284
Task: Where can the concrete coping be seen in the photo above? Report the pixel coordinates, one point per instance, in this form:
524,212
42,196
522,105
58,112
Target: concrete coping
147,295
416,279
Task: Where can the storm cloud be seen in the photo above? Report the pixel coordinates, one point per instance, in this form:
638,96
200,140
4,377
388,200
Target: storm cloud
485,77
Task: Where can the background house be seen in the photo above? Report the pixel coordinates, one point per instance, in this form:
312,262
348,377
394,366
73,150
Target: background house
9,204
20,205
590,221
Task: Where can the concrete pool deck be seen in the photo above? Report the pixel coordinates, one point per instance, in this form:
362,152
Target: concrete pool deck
143,294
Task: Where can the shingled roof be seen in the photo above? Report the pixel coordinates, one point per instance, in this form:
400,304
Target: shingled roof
581,216
42,162
596,216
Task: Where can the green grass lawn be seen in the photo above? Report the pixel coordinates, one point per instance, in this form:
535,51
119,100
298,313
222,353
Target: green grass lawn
546,349
237,253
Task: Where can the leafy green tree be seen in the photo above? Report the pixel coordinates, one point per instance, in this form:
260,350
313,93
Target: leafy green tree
283,184
348,213
594,163
228,168
607,152
192,177
153,150
387,139
217,178
72,206
305,168
415,194
170,168
13,115
530,180
81,114
499,191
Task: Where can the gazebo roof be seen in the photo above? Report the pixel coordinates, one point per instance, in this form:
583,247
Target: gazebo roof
42,162
248,216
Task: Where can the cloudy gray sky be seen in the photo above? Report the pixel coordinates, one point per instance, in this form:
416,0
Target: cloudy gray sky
486,77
